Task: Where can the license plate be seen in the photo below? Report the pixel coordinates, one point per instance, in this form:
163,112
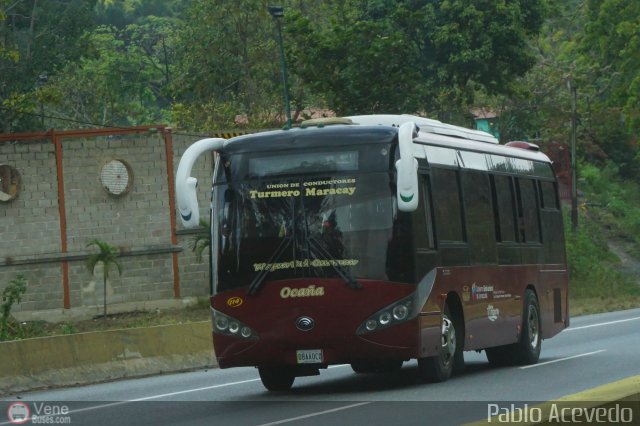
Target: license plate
311,356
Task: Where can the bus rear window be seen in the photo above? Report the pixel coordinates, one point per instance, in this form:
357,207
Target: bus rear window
303,163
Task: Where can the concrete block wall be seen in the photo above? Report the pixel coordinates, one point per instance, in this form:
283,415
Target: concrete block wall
30,223
139,222
137,218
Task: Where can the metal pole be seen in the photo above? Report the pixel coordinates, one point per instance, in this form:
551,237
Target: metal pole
283,62
574,174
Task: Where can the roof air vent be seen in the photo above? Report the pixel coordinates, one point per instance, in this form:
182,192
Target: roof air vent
523,145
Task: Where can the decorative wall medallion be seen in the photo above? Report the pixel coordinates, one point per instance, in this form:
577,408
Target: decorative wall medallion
10,183
116,177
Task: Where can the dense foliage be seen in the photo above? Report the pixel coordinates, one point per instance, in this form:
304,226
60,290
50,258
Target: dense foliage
204,65
398,56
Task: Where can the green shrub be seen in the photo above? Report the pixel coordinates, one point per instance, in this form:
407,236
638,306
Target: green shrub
12,294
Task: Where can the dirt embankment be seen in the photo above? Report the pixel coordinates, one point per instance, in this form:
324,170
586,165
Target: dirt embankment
629,265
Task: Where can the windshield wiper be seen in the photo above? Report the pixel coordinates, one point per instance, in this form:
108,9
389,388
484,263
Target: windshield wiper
313,247
259,278
317,248
257,281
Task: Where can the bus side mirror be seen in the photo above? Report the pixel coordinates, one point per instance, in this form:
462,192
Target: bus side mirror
186,196
407,168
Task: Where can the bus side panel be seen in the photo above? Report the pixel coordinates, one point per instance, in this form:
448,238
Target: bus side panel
493,306
552,297
491,303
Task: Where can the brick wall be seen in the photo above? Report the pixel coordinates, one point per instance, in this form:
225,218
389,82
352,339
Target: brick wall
139,222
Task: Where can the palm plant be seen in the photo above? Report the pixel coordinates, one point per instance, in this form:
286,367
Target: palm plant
202,240
108,256
10,295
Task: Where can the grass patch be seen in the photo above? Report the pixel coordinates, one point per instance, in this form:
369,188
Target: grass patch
194,313
596,305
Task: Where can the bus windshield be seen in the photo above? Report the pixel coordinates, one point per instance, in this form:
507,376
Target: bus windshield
311,226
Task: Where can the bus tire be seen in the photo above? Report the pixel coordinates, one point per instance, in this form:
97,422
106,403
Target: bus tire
439,368
527,350
276,378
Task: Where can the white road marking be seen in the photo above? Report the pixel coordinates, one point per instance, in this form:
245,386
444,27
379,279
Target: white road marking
193,390
147,398
562,359
601,324
318,413
115,404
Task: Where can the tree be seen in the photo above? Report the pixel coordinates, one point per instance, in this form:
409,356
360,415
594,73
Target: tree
538,105
228,65
610,86
415,55
108,256
123,13
119,80
610,44
41,36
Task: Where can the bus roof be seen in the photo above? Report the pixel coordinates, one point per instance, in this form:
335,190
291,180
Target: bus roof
379,128
434,132
309,137
425,125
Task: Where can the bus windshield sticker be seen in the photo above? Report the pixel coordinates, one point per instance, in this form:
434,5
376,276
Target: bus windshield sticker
311,189
306,263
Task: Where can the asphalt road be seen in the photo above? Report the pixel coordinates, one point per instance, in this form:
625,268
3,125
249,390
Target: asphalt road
595,350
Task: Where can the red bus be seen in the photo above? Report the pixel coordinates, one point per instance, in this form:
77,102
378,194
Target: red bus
373,240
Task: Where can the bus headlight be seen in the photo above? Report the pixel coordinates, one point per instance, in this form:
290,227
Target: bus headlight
221,322
229,326
400,312
391,315
371,325
385,318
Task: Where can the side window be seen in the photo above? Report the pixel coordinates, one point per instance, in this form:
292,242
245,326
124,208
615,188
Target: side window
528,212
446,205
423,222
479,214
503,187
549,198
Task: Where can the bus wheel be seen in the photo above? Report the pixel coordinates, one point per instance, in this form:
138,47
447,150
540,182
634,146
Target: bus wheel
439,368
527,350
276,378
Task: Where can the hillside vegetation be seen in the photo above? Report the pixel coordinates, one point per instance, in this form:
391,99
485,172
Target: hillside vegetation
603,254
